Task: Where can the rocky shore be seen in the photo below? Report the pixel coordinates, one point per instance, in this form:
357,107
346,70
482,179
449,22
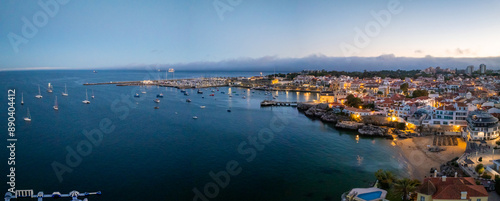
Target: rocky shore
323,112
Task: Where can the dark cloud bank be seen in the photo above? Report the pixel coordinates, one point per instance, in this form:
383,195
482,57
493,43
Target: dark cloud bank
383,62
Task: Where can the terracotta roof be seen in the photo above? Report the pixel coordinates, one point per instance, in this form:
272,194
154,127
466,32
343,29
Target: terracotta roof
452,188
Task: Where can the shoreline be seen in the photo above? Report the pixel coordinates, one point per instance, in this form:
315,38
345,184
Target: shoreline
421,160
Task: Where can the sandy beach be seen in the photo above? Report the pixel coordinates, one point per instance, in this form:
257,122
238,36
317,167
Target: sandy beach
422,160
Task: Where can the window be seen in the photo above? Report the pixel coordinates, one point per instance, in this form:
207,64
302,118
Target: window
422,198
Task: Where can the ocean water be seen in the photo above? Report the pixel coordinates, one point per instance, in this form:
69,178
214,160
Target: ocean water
163,154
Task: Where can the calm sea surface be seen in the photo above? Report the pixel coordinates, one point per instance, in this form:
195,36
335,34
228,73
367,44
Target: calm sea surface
163,154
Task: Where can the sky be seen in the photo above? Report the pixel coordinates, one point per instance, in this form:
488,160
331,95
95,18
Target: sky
187,33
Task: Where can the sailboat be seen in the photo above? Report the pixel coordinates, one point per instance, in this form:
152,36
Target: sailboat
160,95
39,93
22,98
49,88
65,93
56,107
92,94
28,118
86,101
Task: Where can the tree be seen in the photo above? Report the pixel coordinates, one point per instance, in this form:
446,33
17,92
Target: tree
480,168
385,178
380,93
406,186
497,185
404,88
418,93
353,101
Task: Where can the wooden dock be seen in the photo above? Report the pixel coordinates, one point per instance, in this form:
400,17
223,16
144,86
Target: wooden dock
267,103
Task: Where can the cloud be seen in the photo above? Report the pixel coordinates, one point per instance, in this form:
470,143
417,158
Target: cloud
382,62
418,52
318,61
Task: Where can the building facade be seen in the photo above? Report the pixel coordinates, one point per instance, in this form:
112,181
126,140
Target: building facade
482,126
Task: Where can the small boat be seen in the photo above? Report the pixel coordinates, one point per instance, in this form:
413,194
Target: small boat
39,94
28,117
212,94
92,94
203,97
228,110
157,100
94,71
65,93
143,92
202,107
86,101
244,97
188,100
137,95
230,95
22,99
200,91
195,117
182,90
222,92
156,107
213,90
49,88
159,95
186,94
56,107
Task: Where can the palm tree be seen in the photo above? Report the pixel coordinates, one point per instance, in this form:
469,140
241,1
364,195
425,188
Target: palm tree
406,186
386,178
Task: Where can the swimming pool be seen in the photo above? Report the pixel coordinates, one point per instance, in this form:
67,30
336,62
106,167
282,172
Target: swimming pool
370,196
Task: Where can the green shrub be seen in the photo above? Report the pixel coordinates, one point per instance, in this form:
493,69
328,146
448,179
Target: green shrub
480,168
498,142
480,159
486,176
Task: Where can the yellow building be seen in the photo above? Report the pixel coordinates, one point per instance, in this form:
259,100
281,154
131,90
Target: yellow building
451,189
326,97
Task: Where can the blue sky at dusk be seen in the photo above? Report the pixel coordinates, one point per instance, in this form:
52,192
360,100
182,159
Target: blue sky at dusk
112,33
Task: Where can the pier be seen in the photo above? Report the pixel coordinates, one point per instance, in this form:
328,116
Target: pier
177,83
267,103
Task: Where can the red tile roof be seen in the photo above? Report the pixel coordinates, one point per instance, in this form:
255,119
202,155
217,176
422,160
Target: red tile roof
452,188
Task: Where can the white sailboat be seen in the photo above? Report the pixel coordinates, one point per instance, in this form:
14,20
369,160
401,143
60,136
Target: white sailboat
39,93
86,101
65,93
28,118
92,94
49,88
22,98
56,107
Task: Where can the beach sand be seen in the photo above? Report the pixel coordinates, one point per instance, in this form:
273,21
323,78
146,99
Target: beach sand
421,160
